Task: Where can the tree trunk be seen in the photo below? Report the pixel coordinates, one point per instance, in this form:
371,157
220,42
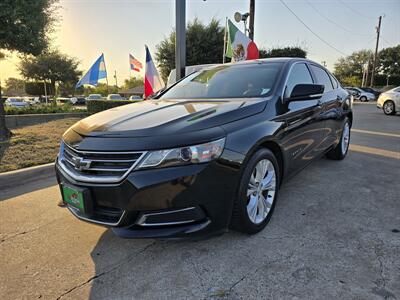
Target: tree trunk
5,133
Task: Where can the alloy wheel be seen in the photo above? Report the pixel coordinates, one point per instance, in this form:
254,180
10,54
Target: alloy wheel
261,191
388,107
345,138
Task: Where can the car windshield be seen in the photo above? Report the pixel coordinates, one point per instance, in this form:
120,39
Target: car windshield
227,81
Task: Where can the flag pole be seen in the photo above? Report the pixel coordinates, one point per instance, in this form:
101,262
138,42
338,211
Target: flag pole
223,54
105,68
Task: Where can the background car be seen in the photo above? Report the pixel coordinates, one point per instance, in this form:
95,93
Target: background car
16,102
65,100
115,97
94,97
188,70
390,101
135,98
361,95
371,90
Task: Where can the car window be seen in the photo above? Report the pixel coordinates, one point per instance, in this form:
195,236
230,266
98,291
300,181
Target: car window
334,81
397,90
322,78
227,81
299,74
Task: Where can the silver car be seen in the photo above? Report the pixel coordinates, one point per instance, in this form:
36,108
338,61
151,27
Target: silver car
389,101
361,95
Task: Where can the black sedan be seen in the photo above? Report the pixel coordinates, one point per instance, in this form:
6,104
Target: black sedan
208,154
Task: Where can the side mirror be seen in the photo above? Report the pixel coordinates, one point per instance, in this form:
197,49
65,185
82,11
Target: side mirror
303,92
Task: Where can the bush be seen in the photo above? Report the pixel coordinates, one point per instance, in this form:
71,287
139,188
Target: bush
95,106
41,109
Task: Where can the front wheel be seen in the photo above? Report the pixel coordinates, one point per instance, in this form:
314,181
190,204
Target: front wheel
363,99
258,192
388,108
341,149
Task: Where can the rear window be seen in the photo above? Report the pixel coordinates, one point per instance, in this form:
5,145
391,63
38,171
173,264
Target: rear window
227,81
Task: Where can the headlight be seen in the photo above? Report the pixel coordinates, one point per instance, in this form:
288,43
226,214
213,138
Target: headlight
183,156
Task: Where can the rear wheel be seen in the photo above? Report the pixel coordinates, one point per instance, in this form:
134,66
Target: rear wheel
363,99
258,191
388,108
341,149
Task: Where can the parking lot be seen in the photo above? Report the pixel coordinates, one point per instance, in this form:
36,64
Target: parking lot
335,234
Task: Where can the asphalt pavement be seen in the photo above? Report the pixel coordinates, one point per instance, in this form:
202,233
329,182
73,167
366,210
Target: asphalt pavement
335,234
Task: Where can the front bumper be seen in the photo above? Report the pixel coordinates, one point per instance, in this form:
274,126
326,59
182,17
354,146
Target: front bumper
169,202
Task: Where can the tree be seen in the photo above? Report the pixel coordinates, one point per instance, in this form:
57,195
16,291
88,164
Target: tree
14,87
101,89
204,45
283,52
389,61
24,27
132,82
50,66
352,66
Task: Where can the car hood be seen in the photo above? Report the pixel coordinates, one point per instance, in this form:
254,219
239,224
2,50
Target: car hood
166,117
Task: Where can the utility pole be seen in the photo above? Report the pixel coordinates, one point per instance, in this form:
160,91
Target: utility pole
378,32
180,38
251,23
116,80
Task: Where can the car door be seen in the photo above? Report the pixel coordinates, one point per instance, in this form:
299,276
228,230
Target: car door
331,103
303,131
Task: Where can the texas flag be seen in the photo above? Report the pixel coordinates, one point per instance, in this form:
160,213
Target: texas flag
152,80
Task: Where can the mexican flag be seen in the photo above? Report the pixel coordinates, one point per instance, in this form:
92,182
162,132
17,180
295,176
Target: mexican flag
239,47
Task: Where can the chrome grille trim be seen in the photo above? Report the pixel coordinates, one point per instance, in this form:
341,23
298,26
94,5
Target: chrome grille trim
113,174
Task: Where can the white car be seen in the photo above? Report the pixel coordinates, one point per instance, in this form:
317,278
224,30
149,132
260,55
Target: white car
94,97
188,70
16,102
135,98
70,100
115,97
389,101
361,95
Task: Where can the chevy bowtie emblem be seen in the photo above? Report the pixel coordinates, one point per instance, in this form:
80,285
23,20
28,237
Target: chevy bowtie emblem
81,163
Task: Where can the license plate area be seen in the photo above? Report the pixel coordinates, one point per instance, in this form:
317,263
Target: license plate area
76,197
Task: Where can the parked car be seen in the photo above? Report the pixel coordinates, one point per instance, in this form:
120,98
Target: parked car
16,102
371,90
67,100
361,95
94,97
115,97
389,101
80,100
210,153
135,98
188,70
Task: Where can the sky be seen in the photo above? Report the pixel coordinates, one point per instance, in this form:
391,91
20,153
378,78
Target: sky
87,28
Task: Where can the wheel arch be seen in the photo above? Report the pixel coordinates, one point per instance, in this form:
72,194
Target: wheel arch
274,147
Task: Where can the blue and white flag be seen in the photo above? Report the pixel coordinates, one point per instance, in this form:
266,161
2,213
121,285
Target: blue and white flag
96,72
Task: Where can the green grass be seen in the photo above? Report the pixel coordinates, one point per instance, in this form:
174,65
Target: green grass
33,145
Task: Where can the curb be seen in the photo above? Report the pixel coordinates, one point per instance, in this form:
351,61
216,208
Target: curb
23,176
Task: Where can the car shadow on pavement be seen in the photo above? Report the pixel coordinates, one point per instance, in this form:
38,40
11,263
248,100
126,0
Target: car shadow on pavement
39,182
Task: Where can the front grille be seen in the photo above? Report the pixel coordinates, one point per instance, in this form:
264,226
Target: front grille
93,166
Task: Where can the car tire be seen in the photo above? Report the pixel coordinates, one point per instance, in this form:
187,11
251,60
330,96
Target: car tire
341,149
258,193
389,108
363,99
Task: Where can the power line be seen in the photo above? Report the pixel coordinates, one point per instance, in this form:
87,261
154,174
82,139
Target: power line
305,25
335,23
355,11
